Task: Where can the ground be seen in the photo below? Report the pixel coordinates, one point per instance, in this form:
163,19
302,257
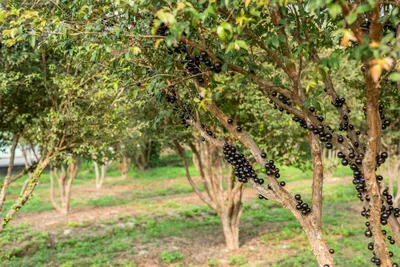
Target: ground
157,221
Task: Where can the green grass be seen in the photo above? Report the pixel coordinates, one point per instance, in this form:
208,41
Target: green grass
171,256
115,242
101,243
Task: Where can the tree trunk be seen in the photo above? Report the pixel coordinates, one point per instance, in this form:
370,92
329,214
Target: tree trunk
101,174
96,171
231,233
318,245
7,179
28,188
227,202
52,198
369,165
64,179
124,166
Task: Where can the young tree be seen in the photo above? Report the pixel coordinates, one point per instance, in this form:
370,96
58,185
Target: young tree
65,175
55,98
210,164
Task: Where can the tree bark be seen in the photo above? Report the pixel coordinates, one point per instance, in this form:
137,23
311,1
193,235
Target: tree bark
369,165
124,165
7,182
226,202
52,198
27,192
64,179
96,171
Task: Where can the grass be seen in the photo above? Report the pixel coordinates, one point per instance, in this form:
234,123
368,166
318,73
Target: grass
103,243
118,242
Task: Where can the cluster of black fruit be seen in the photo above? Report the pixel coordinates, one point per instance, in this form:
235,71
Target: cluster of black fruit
271,169
243,169
171,96
359,182
380,159
338,102
351,155
33,166
305,209
283,99
344,125
374,259
185,115
385,123
302,122
323,136
313,110
207,130
193,64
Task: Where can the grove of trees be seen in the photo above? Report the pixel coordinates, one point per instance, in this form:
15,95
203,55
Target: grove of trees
248,86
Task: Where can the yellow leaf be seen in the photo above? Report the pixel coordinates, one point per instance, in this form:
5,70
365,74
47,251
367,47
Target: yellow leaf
180,6
376,71
347,36
374,44
247,3
157,43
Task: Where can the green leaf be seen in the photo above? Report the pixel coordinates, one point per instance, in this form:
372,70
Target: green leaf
334,10
363,8
275,41
229,47
242,44
221,33
395,76
32,41
352,18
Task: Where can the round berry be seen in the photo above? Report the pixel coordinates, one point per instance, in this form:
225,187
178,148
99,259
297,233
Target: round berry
328,145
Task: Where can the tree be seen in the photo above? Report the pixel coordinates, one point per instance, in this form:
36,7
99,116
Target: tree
198,43
71,105
294,50
64,179
226,202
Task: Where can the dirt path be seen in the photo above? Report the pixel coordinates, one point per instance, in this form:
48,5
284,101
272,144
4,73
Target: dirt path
51,220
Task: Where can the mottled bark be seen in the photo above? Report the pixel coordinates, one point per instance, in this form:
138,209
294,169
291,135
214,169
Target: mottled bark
226,202
101,172
124,165
64,177
369,165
